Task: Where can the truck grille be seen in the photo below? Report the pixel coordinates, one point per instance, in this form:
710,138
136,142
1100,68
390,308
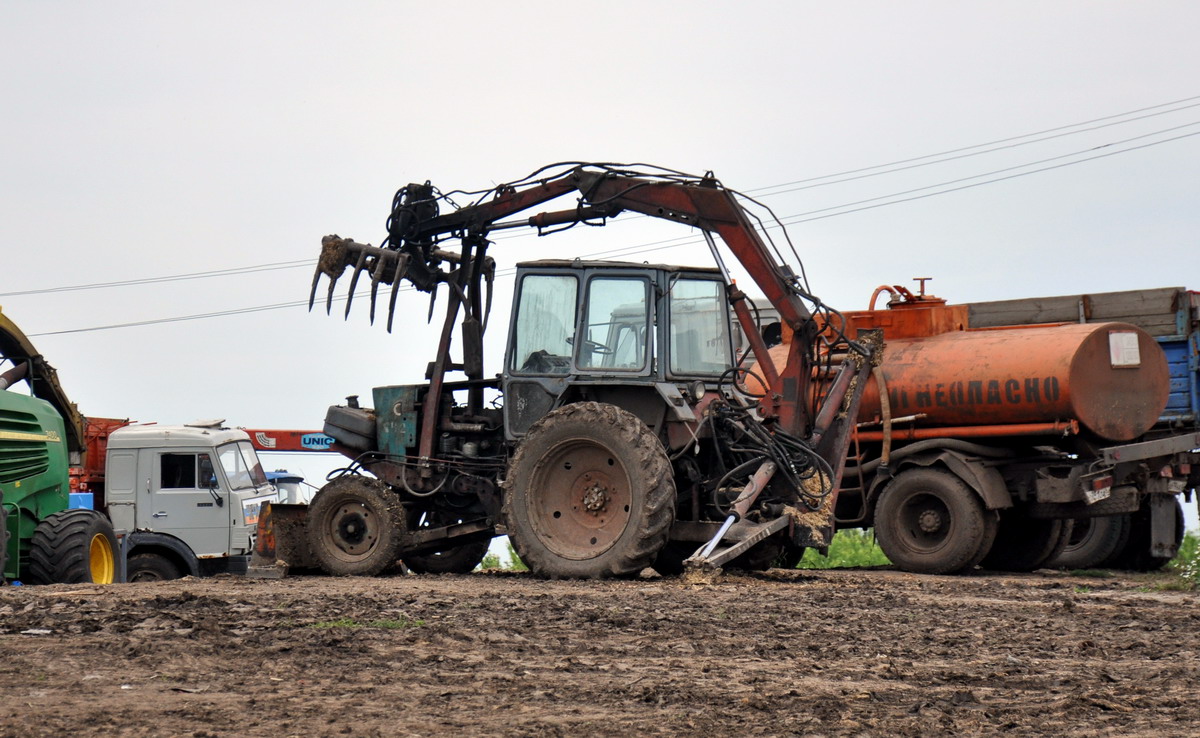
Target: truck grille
21,459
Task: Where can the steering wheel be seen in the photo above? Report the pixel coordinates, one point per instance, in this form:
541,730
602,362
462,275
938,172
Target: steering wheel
594,346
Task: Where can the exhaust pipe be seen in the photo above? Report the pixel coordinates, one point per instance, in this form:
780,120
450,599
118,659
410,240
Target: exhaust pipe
16,374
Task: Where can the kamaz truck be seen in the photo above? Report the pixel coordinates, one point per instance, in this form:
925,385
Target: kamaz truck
167,501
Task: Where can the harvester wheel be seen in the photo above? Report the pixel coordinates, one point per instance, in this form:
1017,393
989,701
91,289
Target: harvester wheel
354,526
149,567
589,494
458,560
929,521
1024,543
71,547
1093,542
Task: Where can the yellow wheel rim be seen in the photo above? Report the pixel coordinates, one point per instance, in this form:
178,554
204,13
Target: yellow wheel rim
101,560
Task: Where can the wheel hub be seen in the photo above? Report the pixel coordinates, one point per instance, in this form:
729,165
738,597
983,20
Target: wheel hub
595,496
583,499
352,529
930,521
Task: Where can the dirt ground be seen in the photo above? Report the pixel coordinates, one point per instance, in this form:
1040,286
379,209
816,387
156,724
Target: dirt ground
783,653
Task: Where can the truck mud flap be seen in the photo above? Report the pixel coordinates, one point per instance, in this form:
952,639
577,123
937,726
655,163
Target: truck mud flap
281,542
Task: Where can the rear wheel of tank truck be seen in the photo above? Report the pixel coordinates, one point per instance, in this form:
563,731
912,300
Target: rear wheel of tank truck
1024,543
929,521
73,547
1093,542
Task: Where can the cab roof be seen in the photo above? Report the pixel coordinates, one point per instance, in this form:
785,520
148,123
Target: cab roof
580,264
171,436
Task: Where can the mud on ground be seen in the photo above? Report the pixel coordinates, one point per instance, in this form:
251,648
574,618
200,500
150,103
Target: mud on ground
786,653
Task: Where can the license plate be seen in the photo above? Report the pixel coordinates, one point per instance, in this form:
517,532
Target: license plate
1099,489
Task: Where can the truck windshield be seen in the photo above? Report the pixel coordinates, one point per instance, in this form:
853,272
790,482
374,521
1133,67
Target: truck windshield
699,327
241,465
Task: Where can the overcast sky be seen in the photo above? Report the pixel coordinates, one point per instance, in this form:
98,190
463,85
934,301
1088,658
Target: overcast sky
149,139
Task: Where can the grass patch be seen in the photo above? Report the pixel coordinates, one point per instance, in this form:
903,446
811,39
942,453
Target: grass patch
386,624
850,548
507,562
1186,564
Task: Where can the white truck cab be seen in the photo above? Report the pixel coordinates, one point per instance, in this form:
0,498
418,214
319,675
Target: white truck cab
189,496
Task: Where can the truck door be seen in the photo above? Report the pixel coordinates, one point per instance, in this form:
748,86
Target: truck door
187,500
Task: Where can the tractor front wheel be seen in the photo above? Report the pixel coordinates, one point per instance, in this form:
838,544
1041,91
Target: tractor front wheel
355,526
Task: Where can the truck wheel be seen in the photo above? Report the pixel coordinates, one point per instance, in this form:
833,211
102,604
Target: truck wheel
1024,543
458,560
1136,554
929,521
354,526
149,567
1093,541
72,547
589,494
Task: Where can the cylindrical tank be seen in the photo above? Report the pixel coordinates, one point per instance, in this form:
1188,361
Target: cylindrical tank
1110,377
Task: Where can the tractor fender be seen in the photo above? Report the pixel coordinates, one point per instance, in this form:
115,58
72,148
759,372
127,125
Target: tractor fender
986,481
144,541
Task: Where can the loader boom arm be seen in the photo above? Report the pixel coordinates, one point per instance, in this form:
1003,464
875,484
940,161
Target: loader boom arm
416,229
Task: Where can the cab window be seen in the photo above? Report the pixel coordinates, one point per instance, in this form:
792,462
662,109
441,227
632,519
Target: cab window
699,327
544,325
616,324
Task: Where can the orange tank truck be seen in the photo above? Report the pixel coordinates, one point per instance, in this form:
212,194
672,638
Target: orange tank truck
996,442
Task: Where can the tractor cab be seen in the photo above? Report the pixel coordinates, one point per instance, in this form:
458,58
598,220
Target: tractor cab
636,335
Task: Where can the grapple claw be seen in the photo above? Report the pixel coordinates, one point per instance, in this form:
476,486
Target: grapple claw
376,278
362,258
329,297
401,267
312,295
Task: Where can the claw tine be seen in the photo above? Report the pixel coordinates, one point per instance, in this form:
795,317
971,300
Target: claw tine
362,257
376,277
312,295
329,297
401,267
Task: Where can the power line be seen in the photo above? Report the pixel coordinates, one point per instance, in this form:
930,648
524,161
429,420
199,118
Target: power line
843,209
794,186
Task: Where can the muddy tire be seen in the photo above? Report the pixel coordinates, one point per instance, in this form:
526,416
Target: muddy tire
1024,543
73,547
929,521
1093,542
457,560
1136,554
149,567
589,494
355,526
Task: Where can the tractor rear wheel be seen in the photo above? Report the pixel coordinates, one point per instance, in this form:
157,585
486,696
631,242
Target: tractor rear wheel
930,522
1093,542
150,567
589,494
354,526
457,560
1024,543
73,547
